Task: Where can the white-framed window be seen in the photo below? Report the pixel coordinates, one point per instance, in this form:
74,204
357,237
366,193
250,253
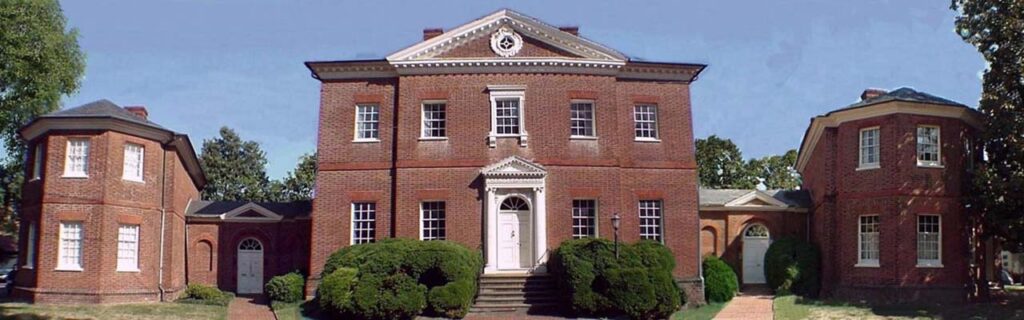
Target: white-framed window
928,146
70,246
581,119
435,120
645,118
650,220
134,154
128,247
584,218
432,220
37,161
867,241
929,240
76,161
364,222
367,122
508,113
869,152
30,247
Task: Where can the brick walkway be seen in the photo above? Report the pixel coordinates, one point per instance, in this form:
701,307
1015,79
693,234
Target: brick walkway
250,308
755,303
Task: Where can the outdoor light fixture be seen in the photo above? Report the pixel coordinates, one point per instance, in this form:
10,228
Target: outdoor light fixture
616,219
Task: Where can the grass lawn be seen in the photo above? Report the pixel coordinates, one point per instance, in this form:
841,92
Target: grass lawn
705,312
792,307
288,311
163,311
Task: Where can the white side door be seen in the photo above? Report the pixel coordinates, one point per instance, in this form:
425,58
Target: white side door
250,267
753,259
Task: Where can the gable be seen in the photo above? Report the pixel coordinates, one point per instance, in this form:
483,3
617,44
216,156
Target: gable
514,166
251,214
481,48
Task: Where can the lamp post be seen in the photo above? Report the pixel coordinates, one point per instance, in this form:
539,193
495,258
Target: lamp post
615,225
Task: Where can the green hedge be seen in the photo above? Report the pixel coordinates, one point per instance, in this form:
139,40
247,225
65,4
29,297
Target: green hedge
639,283
791,266
203,294
444,273
720,283
286,288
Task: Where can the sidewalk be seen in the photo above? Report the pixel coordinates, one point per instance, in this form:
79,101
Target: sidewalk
250,308
754,303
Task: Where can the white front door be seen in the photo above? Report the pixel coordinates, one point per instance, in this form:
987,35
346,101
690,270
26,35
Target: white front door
514,250
250,267
755,244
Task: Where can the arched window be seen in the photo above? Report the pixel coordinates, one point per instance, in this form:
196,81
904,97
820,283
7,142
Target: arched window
756,231
204,255
514,204
708,242
250,245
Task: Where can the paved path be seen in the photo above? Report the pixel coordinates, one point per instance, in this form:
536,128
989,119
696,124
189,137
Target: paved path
755,303
250,308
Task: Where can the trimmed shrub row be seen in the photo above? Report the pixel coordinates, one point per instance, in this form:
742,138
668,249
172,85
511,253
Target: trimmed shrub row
286,288
202,294
400,278
720,282
639,283
791,267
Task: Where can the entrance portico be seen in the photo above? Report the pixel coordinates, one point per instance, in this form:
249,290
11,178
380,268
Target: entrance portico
516,217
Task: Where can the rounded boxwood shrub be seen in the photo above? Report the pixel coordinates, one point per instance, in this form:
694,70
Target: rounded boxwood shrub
791,267
286,288
639,283
335,290
395,296
203,294
720,283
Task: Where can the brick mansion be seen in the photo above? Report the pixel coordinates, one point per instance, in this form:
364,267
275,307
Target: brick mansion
507,135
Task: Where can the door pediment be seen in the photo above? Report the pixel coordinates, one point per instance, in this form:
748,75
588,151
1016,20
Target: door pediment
514,167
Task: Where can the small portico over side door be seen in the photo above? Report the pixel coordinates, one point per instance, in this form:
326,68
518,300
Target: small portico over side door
516,236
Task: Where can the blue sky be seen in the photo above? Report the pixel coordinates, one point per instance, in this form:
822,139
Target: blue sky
198,65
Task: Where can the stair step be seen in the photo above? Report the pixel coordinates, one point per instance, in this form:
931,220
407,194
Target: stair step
514,299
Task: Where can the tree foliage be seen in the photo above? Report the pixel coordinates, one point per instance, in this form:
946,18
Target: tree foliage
299,183
720,165
775,171
40,62
996,29
235,169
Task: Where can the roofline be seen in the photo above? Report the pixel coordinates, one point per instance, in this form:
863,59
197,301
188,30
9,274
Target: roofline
776,209
363,69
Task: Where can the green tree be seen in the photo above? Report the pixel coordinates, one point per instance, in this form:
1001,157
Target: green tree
235,169
775,171
40,62
298,184
720,165
996,29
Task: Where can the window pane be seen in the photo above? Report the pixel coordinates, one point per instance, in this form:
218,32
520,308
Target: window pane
869,230
70,245
646,121
133,156
869,147
367,121
76,162
650,220
364,222
584,219
128,247
507,116
434,120
433,214
928,239
581,119
928,145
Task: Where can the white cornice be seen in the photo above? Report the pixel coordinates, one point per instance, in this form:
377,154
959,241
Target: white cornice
835,118
514,167
756,194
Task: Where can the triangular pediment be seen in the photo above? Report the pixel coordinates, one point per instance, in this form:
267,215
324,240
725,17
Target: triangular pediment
514,166
756,198
473,40
251,212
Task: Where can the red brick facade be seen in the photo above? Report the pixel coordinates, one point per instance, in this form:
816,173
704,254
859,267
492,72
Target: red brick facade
722,232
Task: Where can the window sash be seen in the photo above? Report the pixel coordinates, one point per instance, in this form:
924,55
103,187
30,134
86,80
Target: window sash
128,248
30,255
868,237
76,162
929,240
70,246
432,223
869,151
506,115
37,162
928,146
364,222
650,220
581,119
645,119
584,219
434,120
134,155
367,122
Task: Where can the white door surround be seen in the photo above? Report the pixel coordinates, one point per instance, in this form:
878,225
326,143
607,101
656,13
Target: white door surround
516,233
250,266
756,240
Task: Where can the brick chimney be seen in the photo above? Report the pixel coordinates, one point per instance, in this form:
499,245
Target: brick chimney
139,111
431,32
574,30
871,93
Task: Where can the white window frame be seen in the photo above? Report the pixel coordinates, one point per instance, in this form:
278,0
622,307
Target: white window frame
30,247
37,161
929,263
577,217
861,260
937,163
644,227
65,260
356,137
371,221
507,92
425,132
440,230
128,238
862,163
592,121
653,121
69,171
139,154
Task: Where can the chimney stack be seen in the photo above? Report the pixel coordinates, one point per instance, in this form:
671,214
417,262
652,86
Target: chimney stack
139,111
871,93
431,32
574,30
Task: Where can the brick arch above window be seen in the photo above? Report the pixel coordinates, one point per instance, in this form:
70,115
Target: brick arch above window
709,241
